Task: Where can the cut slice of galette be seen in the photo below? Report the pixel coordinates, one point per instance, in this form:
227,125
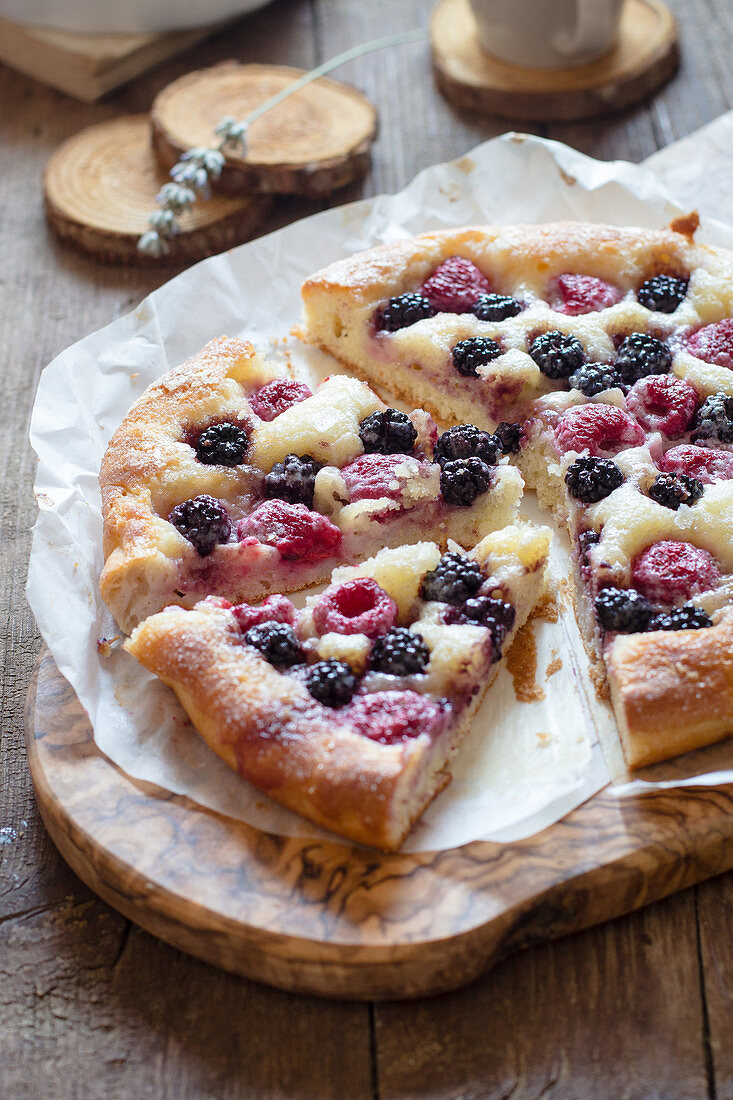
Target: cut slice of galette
350,711
602,357
229,477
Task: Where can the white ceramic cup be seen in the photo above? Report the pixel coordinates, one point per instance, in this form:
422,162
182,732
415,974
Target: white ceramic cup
547,34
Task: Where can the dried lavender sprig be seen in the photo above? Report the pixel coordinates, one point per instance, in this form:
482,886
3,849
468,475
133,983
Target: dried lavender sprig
191,175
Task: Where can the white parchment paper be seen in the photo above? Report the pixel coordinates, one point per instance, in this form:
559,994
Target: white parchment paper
524,765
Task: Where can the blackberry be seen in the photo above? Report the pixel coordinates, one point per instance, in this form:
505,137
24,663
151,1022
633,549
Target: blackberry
404,310
687,617
454,580
594,378
388,433
496,307
293,479
466,441
662,293
586,539
641,355
509,438
474,352
495,614
223,444
204,521
673,490
714,420
464,479
399,652
557,355
624,610
331,682
277,642
591,479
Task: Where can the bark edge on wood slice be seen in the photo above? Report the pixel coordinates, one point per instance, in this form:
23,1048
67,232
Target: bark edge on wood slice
100,187
315,141
646,56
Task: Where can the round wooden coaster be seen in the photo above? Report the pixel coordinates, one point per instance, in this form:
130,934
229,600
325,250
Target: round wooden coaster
100,187
647,55
339,921
316,140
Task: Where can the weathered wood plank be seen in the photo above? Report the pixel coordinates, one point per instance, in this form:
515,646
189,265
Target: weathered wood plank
613,1014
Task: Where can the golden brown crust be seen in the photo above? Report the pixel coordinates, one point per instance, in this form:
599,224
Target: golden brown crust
672,691
519,250
268,728
147,469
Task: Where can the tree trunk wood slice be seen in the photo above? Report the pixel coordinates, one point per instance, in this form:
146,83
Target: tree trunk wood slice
646,56
100,187
328,918
312,143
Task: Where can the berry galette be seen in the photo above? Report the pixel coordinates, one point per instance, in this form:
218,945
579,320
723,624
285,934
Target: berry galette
228,477
350,710
603,359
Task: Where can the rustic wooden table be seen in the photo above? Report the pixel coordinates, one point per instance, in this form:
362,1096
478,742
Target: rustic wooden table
91,1006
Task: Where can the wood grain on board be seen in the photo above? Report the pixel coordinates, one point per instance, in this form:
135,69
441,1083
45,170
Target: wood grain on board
90,1005
100,187
646,56
339,921
315,141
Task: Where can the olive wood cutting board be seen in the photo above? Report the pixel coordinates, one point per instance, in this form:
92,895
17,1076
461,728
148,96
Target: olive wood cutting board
340,921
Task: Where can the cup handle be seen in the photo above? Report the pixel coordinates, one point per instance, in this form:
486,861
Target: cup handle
595,28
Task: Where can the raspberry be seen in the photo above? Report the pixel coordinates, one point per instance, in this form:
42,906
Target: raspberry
466,441
293,480
687,617
277,396
714,343
662,293
387,433
331,682
594,378
496,307
714,420
640,355
595,428
372,476
674,490
496,615
623,610
391,716
222,444
509,438
275,609
204,521
663,403
584,294
403,311
592,479
454,580
356,607
399,653
455,286
557,355
702,463
463,480
474,352
277,642
298,533
669,570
